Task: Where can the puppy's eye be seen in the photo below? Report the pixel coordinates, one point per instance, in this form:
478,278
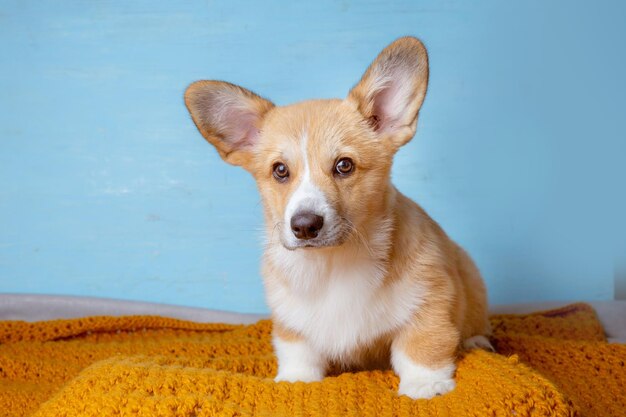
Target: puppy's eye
280,172
344,167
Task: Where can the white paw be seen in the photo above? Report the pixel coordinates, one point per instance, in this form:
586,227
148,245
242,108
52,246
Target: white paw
419,381
425,389
303,375
298,362
478,342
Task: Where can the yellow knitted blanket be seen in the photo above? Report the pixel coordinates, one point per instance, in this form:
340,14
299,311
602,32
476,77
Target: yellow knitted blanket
555,363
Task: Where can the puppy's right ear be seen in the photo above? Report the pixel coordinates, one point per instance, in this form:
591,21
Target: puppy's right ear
228,116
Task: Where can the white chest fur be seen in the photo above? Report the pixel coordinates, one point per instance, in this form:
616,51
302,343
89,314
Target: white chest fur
339,300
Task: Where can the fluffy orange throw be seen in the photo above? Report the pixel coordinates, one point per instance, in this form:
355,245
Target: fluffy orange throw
555,363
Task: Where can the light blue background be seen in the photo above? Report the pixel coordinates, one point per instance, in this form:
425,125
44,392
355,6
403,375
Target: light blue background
107,189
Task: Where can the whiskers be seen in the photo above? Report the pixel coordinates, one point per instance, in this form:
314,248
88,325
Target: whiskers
269,239
360,237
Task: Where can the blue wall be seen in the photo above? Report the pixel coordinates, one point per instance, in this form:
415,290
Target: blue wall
107,189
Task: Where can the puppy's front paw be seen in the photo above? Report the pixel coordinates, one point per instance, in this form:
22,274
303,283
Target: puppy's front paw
419,381
294,375
417,389
298,362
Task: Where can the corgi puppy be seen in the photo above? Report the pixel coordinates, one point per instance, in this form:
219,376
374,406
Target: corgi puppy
356,274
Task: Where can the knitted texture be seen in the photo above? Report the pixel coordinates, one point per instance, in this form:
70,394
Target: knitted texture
554,363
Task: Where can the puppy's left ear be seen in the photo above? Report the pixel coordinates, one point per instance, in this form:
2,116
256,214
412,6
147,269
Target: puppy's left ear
392,90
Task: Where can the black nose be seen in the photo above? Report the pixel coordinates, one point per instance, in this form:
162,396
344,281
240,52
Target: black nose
306,225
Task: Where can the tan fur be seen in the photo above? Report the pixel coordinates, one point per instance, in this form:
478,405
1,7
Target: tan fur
364,127
456,302
285,334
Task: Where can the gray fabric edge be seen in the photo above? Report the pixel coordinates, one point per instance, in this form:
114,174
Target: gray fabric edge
35,307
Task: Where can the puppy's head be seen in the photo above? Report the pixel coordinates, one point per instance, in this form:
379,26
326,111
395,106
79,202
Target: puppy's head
322,166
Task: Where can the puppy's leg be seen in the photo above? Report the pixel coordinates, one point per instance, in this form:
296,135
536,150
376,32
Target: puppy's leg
424,359
297,361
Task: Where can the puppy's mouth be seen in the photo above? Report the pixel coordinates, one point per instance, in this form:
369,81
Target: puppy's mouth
312,245
337,239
